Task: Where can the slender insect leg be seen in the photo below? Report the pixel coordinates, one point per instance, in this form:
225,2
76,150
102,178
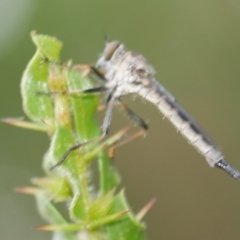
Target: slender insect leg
94,90
108,117
105,131
140,122
99,73
87,69
70,150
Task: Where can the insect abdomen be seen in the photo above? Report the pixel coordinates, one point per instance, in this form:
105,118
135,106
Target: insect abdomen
183,122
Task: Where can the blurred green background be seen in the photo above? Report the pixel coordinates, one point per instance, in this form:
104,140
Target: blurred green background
195,49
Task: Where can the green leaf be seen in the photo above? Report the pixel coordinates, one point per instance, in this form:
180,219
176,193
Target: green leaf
127,227
70,119
38,107
84,106
101,206
50,47
52,215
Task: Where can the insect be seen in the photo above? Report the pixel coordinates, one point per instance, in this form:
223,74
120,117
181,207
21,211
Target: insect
125,72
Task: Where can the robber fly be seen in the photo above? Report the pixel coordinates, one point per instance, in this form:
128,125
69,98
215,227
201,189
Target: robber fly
124,72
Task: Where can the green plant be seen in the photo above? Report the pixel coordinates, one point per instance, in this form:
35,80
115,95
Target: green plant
94,214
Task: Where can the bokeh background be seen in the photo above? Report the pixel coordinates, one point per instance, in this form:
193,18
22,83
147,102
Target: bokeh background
195,49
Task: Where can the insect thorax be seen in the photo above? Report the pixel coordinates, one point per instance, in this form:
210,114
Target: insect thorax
125,71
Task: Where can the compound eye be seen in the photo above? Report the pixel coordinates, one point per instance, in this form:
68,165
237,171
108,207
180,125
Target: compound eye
110,48
142,73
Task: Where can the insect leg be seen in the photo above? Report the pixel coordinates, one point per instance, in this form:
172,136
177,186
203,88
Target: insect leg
105,131
70,150
108,117
99,73
86,69
94,90
140,122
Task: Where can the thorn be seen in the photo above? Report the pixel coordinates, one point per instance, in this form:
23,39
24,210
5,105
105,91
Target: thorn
84,68
111,153
27,190
11,121
145,209
101,222
124,130
62,227
41,181
122,213
18,122
123,141
45,228
101,107
33,32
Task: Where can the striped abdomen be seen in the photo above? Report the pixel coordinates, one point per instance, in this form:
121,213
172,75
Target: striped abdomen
187,126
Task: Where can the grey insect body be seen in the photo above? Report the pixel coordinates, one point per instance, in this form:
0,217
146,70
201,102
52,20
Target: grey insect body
126,72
